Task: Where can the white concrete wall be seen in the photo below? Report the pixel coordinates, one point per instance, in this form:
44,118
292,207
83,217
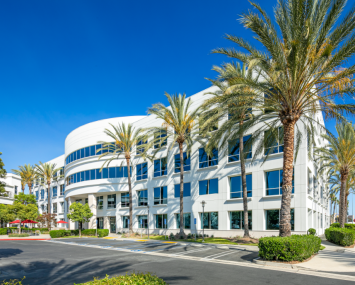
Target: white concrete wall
13,183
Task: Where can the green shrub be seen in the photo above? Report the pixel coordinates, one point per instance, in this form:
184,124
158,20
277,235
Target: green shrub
139,279
292,248
57,233
312,231
3,231
102,232
347,226
19,235
344,237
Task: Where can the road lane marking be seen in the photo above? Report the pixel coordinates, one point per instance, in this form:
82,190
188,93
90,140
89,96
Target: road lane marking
190,251
219,254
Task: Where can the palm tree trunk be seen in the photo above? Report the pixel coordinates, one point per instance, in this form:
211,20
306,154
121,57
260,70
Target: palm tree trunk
23,189
285,212
342,202
48,199
30,187
181,189
130,197
335,204
244,183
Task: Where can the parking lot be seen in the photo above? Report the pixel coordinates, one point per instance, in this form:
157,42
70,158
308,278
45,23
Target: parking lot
170,249
70,261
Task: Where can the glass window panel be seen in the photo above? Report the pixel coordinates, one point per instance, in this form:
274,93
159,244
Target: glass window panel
213,186
92,150
119,172
87,151
74,155
203,187
111,201
82,153
98,151
236,189
75,176
203,158
112,172
125,222
82,176
272,219
178,164
143,198
100,202
104,173
142,221
187,221
125,199
186,191
92,174
87,175
161,221
98,173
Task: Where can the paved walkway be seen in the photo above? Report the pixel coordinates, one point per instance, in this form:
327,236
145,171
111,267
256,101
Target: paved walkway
40,237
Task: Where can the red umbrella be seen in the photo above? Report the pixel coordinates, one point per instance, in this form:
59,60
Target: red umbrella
15,222
28,222
62,222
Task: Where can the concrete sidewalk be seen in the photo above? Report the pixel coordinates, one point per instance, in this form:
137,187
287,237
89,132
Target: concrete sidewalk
40,237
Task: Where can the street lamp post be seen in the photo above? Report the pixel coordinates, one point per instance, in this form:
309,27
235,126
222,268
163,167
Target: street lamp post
148,220
203,220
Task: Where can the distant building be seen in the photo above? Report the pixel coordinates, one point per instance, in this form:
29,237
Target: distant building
13,186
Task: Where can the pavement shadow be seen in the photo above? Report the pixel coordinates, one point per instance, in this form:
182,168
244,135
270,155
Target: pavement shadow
9,252
249,256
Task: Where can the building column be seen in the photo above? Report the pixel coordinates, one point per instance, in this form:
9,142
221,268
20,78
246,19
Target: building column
107,223
71,224
93,207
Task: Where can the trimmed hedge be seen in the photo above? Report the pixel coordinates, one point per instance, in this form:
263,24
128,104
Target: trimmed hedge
90,232
347,226
136,279
3,231
31,229
341,236
292,248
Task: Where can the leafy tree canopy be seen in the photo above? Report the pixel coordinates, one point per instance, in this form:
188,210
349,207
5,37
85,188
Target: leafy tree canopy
79,213
2,175
5,214
25,199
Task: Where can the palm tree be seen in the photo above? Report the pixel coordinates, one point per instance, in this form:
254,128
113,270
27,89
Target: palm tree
125,139
178,121
47,172
229,101
333,201
339,158
22,172
335,182
302,74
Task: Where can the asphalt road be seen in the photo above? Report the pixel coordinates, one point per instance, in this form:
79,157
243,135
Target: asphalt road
80,260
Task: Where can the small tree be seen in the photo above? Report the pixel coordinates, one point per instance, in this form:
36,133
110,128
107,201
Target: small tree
79,213
47,220
2,175
25,199
23,212
6,215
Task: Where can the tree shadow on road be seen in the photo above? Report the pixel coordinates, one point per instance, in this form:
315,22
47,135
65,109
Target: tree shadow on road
9,252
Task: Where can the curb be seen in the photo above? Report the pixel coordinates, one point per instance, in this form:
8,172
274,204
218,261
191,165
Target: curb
274,264
25,239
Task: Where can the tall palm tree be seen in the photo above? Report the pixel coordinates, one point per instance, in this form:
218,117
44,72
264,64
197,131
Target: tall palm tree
125,139
22,172
47,173
339,158
229,101
333,200
178,121
302,72
335,182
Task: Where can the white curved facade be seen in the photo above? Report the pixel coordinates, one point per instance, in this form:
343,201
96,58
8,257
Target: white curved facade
222,210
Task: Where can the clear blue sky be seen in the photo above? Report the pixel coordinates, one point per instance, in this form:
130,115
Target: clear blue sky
68,63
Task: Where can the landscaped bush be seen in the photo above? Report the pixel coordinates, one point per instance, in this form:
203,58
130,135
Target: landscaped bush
3,231
347,226
31,229
312,231
293,248
140,279
19,235
92,232
344,237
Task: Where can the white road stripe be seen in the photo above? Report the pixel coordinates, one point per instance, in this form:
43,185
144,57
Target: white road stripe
190,251
213,256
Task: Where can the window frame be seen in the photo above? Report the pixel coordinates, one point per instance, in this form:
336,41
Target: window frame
140,175
234,149
187,191
111,204
248,176
140,200
187,162
292,212
280,171
159,199
160,172
209,160
100,202
126,203
200,182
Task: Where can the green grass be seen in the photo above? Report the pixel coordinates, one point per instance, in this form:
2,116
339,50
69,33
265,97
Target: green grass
78,237
220,241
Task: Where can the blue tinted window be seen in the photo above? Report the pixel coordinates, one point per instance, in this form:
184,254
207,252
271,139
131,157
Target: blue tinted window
160,139
208,186
74,155
82,174
74,178
206,160
143,198
112,172
160,167
160,195
92,150
236,189
98,146
274,142
142,171
55,191
178,164
87,151
78,154
104,173
274,182
87,175
98,174
233,149
92,174
139,149
187,190
119,172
